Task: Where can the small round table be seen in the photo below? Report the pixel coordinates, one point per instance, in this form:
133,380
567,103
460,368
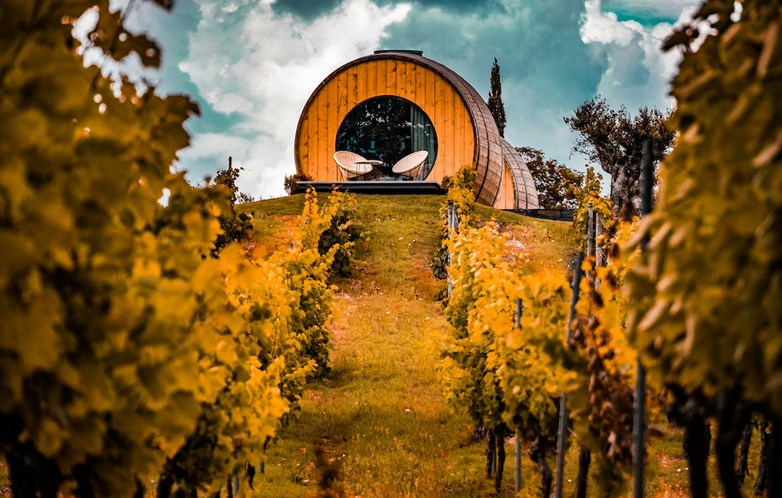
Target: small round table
371,163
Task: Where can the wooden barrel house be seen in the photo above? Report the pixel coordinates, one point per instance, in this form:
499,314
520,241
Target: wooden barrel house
380,109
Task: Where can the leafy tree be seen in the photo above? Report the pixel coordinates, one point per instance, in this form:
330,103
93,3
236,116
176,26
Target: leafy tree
340,232
227,177
554,181
292,180
614,139
496,106
503,376
601,396
285,301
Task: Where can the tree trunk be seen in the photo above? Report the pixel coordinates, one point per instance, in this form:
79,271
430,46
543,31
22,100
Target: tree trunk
761,481
491,448
584,460
499,439
746,439
725,448
625,191
696,447
537,453
615,192
731,419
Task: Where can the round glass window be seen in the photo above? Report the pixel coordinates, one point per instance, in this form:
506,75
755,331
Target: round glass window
388,128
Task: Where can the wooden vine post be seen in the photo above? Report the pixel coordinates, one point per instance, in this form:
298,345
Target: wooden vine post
639,415
452,224
562,430
590,231
598,233
519,308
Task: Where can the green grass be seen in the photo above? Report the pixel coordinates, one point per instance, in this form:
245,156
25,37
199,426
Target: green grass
379,425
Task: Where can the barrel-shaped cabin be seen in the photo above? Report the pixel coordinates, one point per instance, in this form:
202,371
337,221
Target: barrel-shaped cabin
384,112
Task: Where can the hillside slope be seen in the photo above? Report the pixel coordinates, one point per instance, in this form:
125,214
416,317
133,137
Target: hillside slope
379,425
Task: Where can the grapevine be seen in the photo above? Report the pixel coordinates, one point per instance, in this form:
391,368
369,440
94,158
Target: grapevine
502,376
704,298
275,340
127,351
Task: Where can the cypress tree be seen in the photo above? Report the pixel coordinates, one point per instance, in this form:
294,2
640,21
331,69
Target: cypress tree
496,106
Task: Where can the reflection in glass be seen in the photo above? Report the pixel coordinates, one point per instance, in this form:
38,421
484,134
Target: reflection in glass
388,128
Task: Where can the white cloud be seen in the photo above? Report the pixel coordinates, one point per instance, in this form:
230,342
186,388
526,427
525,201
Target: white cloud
603,27
638,70
260,67
215,144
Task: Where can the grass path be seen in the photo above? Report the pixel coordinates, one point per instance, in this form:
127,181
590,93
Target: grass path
379,424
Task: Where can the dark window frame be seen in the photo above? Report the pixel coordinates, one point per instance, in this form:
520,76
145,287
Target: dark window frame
379,128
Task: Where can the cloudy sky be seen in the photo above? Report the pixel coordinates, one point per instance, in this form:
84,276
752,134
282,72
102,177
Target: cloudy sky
252,64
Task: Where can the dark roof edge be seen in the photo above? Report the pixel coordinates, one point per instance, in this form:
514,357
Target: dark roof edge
405,51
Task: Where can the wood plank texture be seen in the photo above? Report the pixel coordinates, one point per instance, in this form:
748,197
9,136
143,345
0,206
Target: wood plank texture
507,196
428,89
321,165
371,80
360,88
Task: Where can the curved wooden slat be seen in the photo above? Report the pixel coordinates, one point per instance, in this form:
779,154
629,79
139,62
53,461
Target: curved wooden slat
526,195
466,131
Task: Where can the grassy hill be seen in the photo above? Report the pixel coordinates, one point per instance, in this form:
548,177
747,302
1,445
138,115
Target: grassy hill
379,425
